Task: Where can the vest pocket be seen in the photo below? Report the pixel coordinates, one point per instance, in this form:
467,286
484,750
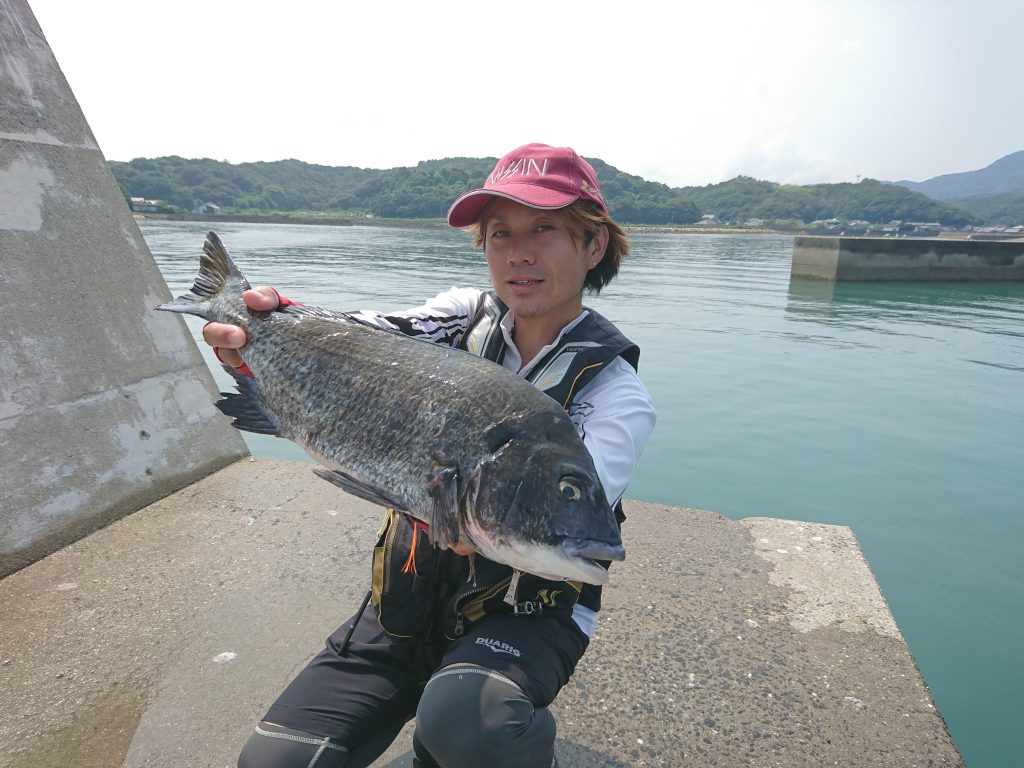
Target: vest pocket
402,564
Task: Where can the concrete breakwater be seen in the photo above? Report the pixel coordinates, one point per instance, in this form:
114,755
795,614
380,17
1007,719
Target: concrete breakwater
908,259
160,640
105,405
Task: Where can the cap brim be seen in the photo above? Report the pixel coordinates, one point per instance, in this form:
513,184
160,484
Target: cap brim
467,209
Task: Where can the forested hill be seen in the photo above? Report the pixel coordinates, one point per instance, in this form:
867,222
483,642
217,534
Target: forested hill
426,191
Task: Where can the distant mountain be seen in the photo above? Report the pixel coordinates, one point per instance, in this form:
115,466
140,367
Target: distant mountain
1004,176
427,189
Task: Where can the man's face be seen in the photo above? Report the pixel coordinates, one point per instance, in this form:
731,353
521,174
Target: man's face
535,266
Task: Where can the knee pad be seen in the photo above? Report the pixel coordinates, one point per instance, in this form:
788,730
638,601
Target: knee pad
470,716
273,746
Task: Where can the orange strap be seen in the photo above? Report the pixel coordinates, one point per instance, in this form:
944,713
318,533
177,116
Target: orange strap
410,561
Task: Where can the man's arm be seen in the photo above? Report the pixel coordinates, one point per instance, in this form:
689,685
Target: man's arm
615,417
441,320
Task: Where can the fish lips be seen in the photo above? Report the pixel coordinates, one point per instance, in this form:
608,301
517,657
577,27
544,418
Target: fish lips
584,560
588,558
588,549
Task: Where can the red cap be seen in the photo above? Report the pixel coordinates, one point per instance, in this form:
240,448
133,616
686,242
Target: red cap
535,175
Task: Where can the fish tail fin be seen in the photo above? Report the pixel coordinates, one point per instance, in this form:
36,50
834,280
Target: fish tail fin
215,270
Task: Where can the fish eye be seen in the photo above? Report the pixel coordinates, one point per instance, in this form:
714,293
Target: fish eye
569,490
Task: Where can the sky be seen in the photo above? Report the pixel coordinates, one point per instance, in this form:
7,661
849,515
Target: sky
685,93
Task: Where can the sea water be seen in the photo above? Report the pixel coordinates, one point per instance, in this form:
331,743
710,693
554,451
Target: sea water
896,409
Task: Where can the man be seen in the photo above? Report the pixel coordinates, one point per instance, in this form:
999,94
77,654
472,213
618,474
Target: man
478,661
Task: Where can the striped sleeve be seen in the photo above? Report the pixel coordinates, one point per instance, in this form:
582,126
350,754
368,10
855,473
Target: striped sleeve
440,320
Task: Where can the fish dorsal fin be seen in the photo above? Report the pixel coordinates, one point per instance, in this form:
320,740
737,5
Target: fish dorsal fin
330,315
215,267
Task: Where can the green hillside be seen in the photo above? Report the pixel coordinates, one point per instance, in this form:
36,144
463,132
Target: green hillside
1001,210
743,197
426,191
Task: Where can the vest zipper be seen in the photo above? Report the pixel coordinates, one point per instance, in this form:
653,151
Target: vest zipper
389,550
482,594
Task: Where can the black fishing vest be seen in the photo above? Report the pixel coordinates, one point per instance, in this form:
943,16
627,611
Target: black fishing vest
577,358
418,587
580,355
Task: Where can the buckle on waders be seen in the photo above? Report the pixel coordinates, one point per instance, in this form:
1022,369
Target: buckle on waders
528,609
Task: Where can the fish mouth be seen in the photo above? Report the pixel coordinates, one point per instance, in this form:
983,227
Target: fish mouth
588,549
576,560
585,553
570,559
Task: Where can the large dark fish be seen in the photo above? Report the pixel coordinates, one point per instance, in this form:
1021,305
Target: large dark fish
477,453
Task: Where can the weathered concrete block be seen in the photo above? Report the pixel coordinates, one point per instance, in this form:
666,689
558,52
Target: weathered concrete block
105,405
907,259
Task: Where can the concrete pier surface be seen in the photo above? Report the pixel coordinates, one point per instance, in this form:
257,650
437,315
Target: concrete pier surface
160,639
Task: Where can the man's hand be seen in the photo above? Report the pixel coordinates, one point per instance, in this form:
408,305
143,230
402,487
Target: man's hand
228,339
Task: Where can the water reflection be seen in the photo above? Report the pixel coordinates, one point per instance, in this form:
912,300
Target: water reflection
953,294
903,308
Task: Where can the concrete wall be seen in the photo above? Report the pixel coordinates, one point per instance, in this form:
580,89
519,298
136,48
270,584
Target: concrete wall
105,405
882,258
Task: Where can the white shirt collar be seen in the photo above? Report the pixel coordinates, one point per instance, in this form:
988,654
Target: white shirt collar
513,361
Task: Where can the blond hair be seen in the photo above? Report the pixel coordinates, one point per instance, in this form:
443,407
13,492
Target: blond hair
583,218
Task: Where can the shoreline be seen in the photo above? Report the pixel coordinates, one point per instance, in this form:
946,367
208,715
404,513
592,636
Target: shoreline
634,229
436,223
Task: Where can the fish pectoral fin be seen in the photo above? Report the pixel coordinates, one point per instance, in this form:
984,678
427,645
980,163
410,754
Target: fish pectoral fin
444,522
358,488
246,406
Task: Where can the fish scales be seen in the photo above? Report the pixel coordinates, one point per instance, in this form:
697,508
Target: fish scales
437,399
477,453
